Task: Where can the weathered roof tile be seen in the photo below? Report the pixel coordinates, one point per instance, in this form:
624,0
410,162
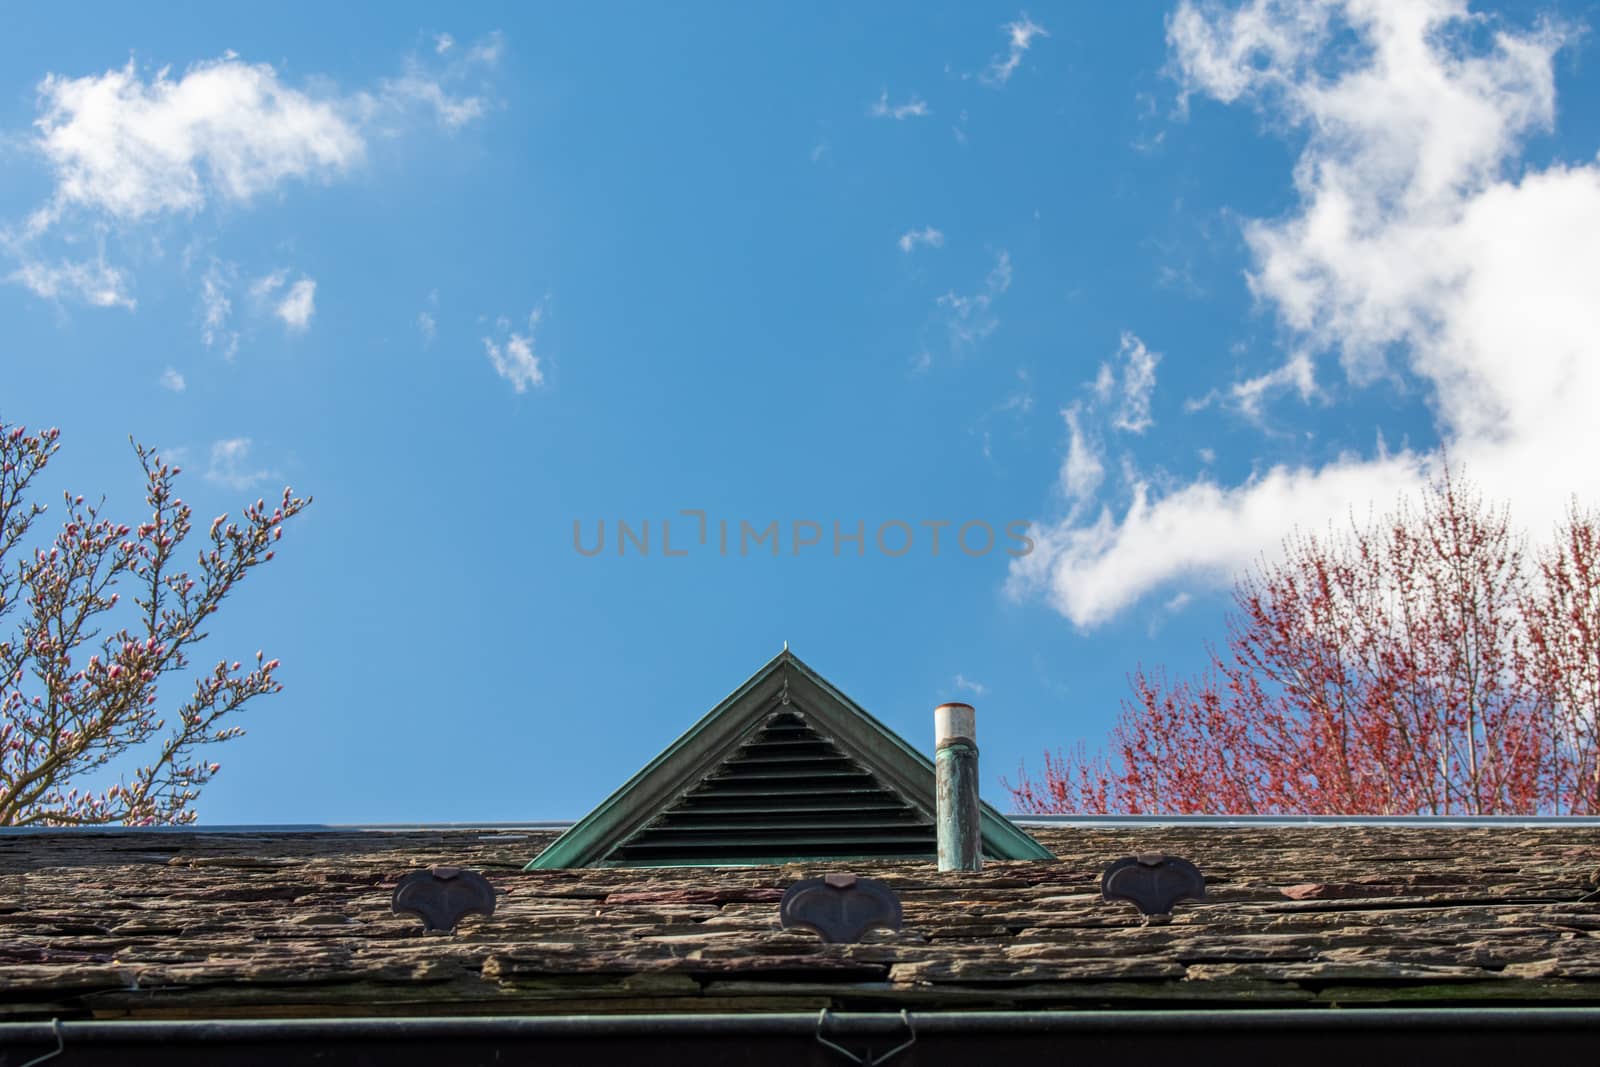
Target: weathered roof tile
193,924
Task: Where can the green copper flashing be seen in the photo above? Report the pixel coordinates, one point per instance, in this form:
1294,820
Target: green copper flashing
784,682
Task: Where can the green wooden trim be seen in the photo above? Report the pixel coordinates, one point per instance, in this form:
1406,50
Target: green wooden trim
682,765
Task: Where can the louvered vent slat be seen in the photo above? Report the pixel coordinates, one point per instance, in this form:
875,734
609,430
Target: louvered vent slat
789,792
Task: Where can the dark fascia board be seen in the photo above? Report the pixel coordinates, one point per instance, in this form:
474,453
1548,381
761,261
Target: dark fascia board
1303,1036
682,764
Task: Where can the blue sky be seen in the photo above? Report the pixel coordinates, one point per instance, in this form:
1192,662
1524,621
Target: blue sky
1162,282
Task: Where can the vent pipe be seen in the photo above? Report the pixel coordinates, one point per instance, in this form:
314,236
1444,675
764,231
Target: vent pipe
955,760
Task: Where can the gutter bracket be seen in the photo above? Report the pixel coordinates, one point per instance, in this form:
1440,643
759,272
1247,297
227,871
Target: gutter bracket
61,1044
867,1059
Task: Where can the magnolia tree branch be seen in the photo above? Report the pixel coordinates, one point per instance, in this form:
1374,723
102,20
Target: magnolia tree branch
80,671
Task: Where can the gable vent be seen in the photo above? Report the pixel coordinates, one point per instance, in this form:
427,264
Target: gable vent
786,768
788,793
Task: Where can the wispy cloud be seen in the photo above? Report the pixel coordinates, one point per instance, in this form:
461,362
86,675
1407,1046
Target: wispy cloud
230,460
1296,372
449,85
452,111
1020,36
94,282
1423,246
171,379
488,50
298,305
1138,366
268,284
216,307
1083,468
427,322
514,358
913,108
975,688
1009,414
925,236
971,318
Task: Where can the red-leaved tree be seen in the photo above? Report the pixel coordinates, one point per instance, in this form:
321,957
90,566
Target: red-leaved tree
1422,665
80,668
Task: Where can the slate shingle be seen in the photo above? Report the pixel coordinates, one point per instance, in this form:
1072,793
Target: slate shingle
175,924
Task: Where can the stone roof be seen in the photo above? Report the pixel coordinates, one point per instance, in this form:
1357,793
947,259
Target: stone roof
177,924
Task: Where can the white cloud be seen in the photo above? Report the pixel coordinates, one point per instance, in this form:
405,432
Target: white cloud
1020,36
214,299
1082,470
1297,372
1091,571
972,318
975,688
427,322
268,284
913,108
1422,246
1138,382
171,379
270,294
1104,383
95,283
129,148
487,51
229,460
443,43
417,86
514,358
925,236
298,305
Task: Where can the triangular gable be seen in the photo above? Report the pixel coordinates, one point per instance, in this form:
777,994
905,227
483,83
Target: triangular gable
786,768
